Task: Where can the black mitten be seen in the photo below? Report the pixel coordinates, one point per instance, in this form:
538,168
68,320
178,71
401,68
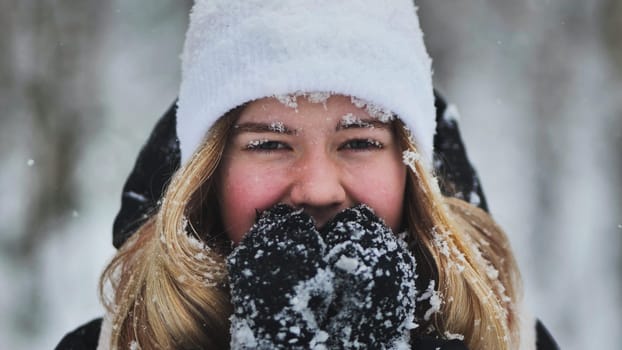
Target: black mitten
280,286
374,283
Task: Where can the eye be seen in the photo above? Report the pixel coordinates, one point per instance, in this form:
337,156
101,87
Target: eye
266,145
362,145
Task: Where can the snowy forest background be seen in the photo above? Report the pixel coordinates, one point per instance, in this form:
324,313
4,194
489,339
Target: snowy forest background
538,84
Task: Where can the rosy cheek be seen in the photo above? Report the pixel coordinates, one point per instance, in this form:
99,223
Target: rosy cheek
245,193
388,195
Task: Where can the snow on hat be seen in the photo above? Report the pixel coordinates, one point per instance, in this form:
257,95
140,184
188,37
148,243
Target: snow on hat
238,51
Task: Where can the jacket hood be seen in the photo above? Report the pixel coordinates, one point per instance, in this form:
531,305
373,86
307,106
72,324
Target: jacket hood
160,157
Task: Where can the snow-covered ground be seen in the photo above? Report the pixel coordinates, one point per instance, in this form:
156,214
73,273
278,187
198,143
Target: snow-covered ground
541,118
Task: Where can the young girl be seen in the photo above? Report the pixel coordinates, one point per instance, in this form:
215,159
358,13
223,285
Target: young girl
305,212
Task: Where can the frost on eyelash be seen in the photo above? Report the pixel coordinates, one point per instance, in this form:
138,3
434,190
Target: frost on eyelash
255,143
375,143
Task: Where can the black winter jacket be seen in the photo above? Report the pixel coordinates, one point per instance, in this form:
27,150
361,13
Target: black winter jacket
160,158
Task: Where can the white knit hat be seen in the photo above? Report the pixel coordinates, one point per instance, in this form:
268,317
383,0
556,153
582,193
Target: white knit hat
237,51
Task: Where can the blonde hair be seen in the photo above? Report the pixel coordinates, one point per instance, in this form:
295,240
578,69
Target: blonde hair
468,256
168,283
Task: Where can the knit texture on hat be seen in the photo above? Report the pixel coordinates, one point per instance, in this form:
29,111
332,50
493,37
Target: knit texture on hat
238,51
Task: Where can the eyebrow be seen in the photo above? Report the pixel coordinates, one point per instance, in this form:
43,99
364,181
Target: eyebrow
275,127
281,128
362,124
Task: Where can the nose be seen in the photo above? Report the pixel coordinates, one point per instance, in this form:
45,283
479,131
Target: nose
318,188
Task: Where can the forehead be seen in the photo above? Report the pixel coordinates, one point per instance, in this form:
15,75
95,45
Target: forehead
299,108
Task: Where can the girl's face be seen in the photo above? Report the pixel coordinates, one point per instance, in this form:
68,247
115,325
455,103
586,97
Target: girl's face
320,157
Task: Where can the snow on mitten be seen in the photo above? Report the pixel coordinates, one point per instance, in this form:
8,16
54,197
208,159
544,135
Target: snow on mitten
374,283
280,286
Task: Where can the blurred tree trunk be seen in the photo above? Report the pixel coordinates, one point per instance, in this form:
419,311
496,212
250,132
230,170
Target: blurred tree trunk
612,34
612,30
5,44
51,70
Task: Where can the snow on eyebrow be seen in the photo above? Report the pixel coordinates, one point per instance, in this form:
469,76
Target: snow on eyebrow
350,120
277,126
